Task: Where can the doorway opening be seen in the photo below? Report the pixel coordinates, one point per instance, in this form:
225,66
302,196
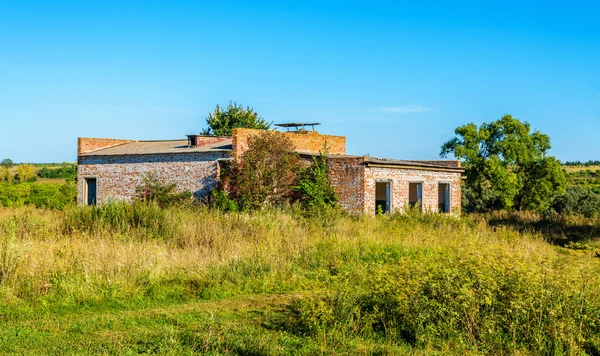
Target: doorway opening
444,197
382,197
90,191
415,195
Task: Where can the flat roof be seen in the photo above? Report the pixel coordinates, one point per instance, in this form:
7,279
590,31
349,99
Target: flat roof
160,147
445,165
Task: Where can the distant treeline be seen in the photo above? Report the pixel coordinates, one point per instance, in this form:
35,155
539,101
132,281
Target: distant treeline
581,164
17,187
64,170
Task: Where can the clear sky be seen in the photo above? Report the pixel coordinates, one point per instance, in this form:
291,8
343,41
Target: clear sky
395,77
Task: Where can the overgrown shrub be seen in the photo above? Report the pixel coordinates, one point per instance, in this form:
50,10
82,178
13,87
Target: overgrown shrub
164,194
266,172
577,201
484,302
221,200
314,191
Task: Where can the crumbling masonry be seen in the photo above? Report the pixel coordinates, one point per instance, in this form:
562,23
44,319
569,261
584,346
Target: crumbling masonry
111,169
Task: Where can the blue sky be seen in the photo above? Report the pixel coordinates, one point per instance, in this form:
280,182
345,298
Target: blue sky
395,77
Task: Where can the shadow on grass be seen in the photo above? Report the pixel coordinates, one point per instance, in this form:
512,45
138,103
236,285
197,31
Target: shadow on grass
557,229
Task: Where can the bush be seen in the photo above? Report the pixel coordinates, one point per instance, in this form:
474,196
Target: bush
266,173
577,201
315,193
164,194
483,302
221,200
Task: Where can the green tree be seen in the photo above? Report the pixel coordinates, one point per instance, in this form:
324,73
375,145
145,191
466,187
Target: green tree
506,166
266,172
222,121
6,173
26,172
7,163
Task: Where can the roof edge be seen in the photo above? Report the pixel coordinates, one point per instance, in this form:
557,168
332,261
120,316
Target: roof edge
415,165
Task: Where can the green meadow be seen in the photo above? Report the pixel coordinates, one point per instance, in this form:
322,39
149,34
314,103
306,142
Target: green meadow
131,279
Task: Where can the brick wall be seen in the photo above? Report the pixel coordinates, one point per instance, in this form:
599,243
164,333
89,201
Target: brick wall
306,142
85,145
346,174
207,140
400,179
117,176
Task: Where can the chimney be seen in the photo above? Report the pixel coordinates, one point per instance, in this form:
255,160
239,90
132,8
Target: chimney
193,140
201,140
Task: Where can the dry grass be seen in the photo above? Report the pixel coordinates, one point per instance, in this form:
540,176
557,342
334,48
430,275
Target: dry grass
132,257
571,169
50,181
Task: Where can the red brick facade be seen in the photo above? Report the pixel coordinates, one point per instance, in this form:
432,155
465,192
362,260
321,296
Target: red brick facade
304,142
347,175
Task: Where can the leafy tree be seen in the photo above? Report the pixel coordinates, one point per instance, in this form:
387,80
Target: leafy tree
6,175
266,172
221,122
25,172
506,166
7,163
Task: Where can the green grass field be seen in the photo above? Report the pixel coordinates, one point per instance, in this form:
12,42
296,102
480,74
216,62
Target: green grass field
134,279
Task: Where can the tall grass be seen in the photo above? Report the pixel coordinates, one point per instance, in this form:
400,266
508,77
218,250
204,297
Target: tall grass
423,280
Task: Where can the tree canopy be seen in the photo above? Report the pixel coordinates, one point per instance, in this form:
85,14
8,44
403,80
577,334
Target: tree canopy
506,166
7,163
223,120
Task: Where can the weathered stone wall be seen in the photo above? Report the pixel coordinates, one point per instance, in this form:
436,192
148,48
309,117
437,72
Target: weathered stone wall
305,142
346,174
117,176
85,145
400,179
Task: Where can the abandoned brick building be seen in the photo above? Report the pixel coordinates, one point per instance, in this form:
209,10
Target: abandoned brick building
110,169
